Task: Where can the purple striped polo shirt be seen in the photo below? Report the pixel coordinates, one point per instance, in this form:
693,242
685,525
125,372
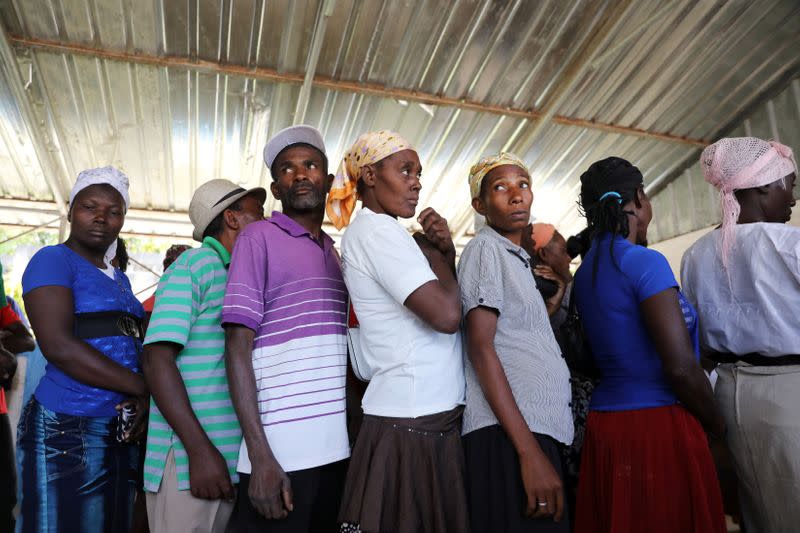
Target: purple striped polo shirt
287,287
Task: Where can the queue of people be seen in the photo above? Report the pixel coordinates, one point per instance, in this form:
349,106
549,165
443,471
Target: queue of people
472,417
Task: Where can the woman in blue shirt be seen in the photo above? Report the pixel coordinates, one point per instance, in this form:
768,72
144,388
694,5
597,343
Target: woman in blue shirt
75,474
646,462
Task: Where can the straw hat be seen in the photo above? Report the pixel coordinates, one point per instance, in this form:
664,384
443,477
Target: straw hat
214,197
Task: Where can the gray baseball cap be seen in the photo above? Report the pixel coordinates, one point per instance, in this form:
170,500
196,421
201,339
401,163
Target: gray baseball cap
292,135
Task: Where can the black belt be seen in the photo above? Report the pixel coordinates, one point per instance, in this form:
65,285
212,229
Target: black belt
755,359
107,324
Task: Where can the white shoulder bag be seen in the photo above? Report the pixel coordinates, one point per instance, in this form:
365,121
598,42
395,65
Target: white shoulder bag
360,367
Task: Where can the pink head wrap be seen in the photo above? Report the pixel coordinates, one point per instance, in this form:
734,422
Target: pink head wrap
735,163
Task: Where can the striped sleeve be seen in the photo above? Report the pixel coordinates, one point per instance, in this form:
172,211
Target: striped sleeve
176,307
244,293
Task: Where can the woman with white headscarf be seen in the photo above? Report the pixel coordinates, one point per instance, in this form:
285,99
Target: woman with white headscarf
78,464
744,279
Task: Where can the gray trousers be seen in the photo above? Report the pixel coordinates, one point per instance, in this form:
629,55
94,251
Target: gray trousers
761,406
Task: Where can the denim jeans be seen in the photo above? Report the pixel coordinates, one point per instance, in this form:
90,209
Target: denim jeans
75,476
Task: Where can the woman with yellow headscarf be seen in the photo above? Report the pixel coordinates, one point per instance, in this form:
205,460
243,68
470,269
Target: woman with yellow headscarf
517,414
407,467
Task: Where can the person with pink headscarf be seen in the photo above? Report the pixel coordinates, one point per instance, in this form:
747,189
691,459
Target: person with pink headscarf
744,279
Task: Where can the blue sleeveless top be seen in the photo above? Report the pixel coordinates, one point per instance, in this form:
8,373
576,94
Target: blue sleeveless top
92,291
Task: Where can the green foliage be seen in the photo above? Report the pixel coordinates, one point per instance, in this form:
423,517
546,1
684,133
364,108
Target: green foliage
139,245
36,238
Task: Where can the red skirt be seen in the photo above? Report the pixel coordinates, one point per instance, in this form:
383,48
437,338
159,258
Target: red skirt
647,470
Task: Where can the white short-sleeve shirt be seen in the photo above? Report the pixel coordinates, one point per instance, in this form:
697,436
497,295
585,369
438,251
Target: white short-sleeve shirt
417,370
756,310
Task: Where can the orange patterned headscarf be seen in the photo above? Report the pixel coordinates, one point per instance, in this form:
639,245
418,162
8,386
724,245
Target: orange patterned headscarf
368,149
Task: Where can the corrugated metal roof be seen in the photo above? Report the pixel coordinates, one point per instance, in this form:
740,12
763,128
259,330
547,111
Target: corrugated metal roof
179,92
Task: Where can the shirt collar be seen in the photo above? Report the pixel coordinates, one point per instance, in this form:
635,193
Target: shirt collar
222,252
294,229
517,250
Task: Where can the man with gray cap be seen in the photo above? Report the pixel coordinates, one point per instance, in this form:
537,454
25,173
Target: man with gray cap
194,437
286,350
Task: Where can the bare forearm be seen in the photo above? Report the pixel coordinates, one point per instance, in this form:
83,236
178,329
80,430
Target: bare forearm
666,324
169,392
552,306
19,340
244,393
89,366
444,267
19,345
694,391
497,391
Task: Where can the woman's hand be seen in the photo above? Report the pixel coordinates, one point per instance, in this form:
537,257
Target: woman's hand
437,232
543,486
142,406
554,302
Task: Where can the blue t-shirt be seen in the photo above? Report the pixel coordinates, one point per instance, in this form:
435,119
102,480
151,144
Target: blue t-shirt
631,376
92,291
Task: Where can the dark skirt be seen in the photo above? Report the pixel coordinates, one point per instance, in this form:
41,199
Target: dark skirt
497,498
406,475
647,470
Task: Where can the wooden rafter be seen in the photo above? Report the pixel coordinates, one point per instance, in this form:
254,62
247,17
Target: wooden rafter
325,82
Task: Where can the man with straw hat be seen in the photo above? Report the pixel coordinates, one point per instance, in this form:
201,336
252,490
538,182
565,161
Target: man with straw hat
193,438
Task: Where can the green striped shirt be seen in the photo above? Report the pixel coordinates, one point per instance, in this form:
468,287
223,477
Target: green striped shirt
188,312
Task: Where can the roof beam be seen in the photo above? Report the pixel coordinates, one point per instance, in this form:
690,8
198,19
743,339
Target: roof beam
325,82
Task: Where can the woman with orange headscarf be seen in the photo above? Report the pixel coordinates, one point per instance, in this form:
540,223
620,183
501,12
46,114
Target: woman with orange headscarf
407,469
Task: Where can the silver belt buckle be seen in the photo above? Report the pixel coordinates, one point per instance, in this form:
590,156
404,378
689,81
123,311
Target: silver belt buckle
128,326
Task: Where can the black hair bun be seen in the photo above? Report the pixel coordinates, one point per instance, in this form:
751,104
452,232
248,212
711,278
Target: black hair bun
578,245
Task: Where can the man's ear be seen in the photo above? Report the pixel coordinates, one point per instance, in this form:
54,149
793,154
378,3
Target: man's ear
230,218
328,183
478,205
273,188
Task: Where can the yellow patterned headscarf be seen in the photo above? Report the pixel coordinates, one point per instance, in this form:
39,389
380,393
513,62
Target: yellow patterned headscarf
486,164
368,149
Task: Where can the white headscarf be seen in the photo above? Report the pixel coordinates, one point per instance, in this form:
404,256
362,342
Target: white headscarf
99,176
103,176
